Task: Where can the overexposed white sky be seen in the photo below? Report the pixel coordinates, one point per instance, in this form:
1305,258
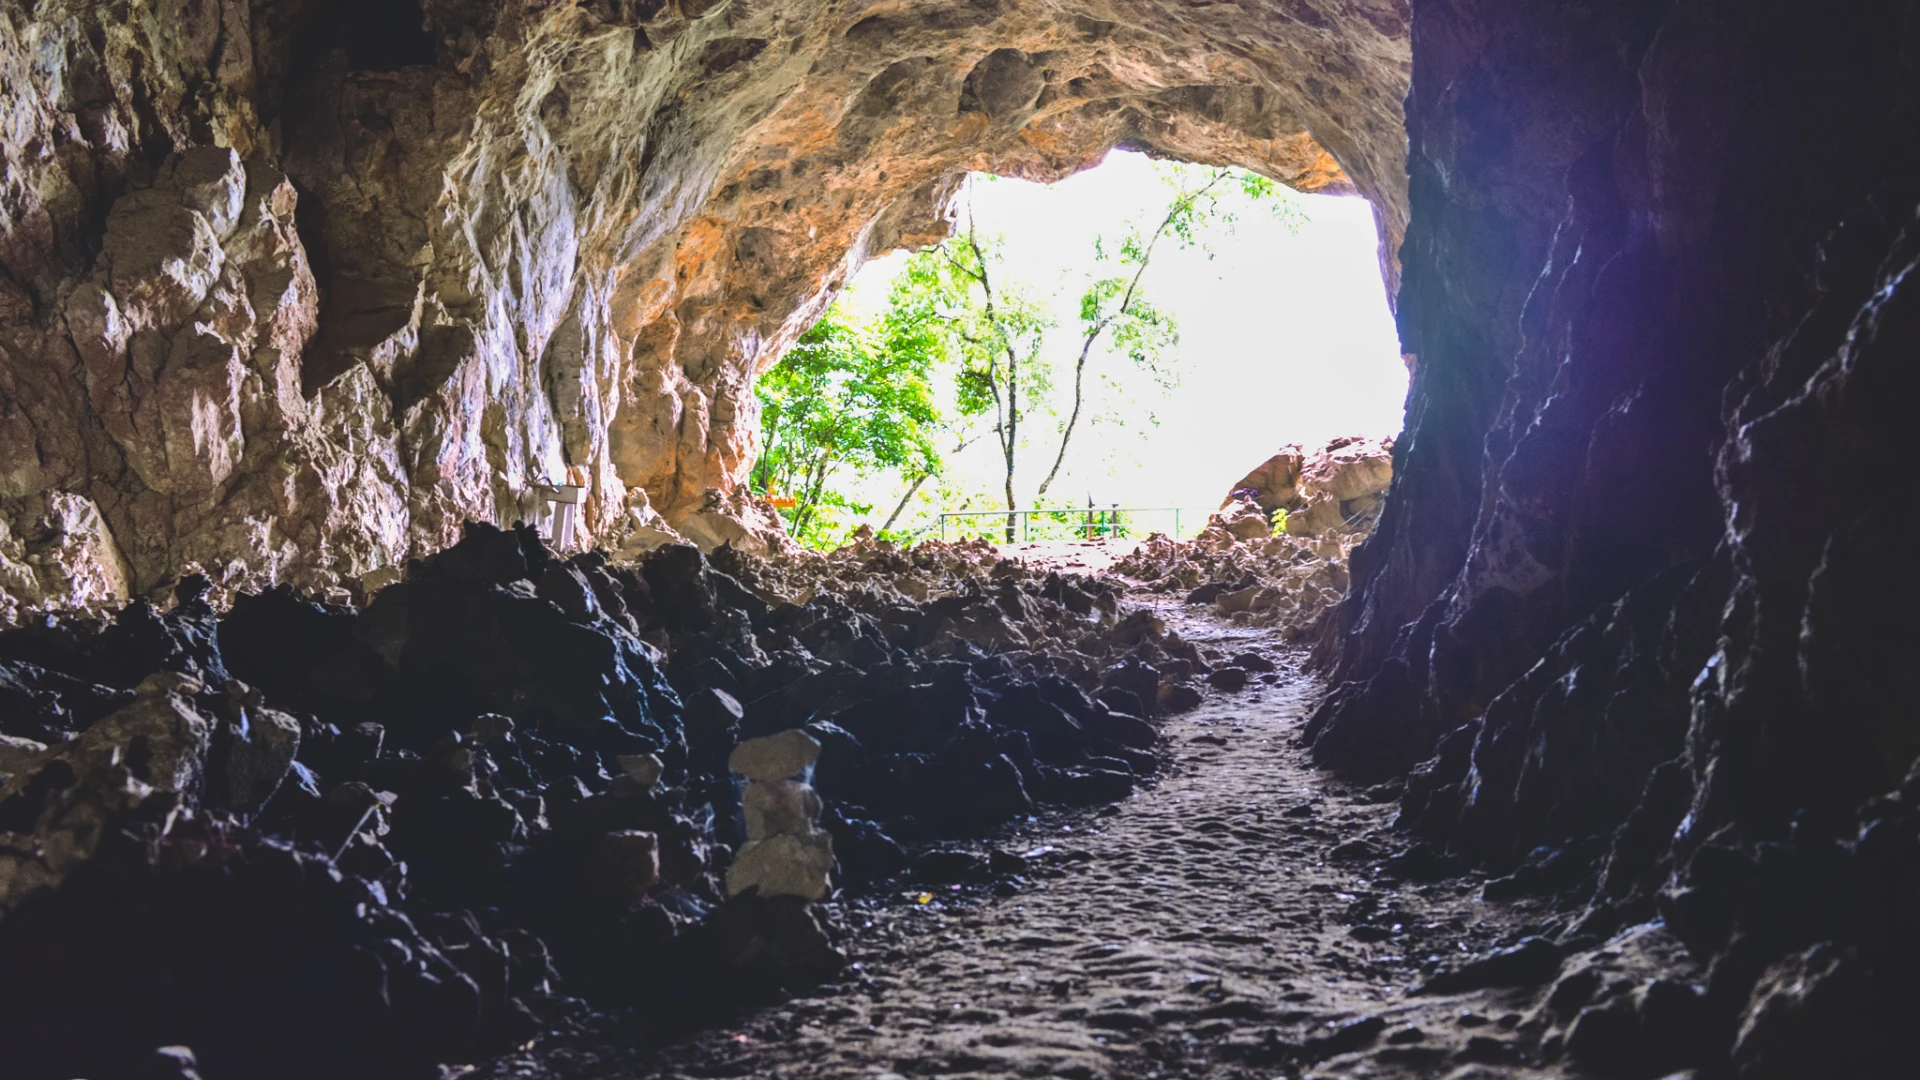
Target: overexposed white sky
1284,337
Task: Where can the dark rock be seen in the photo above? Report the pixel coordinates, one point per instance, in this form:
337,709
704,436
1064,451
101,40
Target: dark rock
1255,662
1137,678
1208,593
1003,863
1486,1049
1128,731
1125,701
678,593
1345,1039
1603,1035
1814,1012
566,588
1351,850
965,790
1180,697
625,864
950,867
48,706
1084,787
752,948
1573,991
1383,792
1424,862
1530,963
866,853
1230,679
1055,735
489,735
171,1063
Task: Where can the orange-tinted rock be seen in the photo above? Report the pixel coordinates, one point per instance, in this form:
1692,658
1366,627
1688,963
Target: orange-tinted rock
535,243
1338,488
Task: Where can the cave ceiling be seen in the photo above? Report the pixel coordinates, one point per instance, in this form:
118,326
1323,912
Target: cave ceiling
293,288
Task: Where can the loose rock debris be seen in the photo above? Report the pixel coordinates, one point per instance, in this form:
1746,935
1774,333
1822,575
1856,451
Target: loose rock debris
963,815
1245,917
495,801
1247,569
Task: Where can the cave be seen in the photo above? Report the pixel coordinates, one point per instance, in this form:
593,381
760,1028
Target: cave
1601,762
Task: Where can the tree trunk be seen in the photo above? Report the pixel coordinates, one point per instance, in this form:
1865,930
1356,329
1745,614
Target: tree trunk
902,504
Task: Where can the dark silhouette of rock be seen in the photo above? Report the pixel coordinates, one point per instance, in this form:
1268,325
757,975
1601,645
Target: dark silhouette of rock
491,734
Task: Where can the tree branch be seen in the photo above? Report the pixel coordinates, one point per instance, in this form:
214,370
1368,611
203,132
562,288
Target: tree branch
1179,207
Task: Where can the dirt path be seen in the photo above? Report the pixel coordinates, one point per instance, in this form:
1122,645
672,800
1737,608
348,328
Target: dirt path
1222,924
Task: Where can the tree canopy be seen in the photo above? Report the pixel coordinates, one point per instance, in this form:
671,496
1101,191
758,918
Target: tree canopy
844,398
965,349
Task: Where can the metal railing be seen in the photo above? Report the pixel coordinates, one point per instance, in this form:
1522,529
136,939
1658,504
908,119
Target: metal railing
1070,523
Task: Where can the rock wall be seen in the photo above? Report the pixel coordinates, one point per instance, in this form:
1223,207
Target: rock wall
291,288
1640,589
1338,488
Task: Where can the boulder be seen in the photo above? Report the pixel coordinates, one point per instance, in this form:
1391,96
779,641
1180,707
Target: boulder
779,806
1336,489
1275,482
784,864
642,769
263,743
775,757
58,804
625,864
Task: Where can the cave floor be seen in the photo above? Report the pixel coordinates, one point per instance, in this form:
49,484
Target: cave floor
1204,928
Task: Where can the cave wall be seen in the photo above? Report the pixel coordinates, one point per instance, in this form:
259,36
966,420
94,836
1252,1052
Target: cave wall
291,288
1639,615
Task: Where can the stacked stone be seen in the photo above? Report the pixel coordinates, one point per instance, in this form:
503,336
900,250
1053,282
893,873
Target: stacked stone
785,853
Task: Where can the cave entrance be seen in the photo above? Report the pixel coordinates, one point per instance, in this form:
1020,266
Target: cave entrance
1259,323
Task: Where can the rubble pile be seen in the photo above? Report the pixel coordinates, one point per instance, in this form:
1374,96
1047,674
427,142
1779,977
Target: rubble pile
951,688
297,836
1260,568
1284,581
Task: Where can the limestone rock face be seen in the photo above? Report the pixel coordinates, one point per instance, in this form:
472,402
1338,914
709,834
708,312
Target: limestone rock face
293,288
1638,613
1336,489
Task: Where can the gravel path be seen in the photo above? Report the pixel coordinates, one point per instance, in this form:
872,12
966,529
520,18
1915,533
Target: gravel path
1233,921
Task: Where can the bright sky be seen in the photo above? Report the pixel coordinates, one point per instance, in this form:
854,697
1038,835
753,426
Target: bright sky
1284,337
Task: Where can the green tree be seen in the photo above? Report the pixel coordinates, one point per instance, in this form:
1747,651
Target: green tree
850,399
998,333
1114,306
843,399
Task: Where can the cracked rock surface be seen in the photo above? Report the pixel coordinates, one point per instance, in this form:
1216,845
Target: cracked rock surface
293,288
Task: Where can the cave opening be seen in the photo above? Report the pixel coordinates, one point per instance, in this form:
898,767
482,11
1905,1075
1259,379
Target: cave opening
1256,319
1594,753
